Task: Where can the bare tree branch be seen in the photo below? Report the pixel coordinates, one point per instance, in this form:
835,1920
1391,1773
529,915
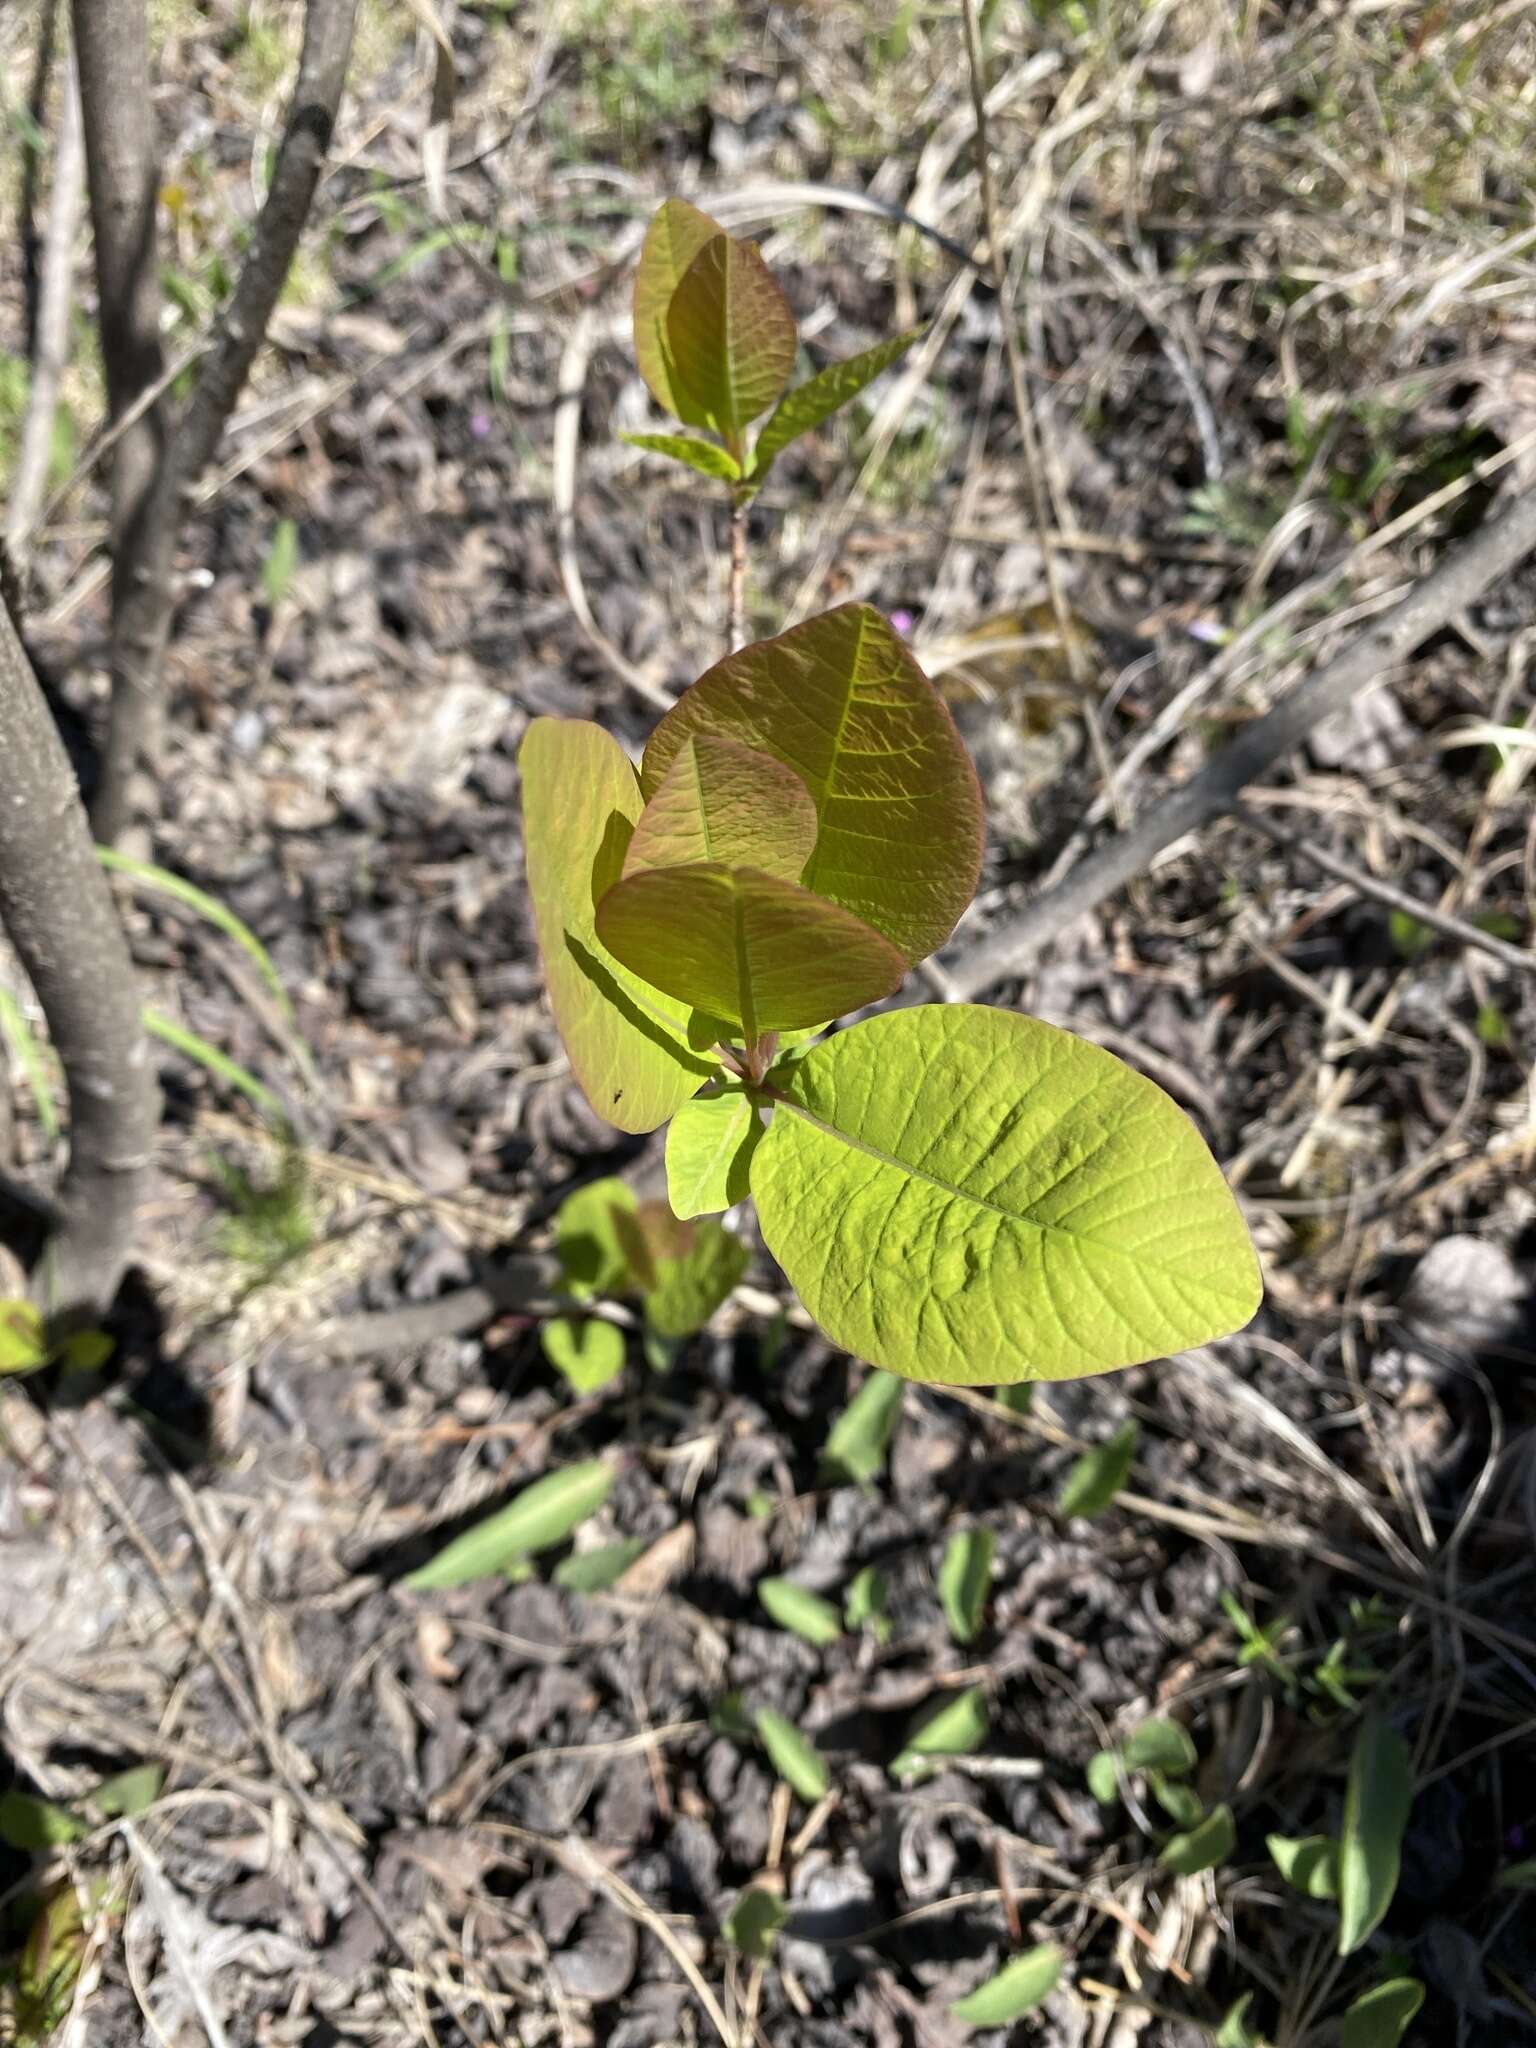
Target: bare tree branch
112,53
144,600
1386,892
1464,574
58,912
50,352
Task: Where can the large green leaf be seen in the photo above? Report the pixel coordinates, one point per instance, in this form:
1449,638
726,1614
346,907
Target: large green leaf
627,1042
798,411
730,336
675,236
966,1195
541,1516
1377,1796
841,701
709,1152
703,456
1018,1988
721,801
759,952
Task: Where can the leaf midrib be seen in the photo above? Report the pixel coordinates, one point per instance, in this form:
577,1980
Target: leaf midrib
945,1187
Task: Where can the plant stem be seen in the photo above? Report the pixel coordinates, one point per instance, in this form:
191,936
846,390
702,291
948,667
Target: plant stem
737,633
1034,475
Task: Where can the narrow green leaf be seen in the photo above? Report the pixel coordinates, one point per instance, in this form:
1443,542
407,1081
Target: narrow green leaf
1182,1803
162,882
676,235
1517,1877
584,1350
866,1602
1103,1776
282,559
859,1440
1098,1475
799,1763
627,1042
1382,2015
23,1041
958,1192
1159,1745
1234,2031
703,456
541,1516
721,801
1377,1797
1019,1399
195,1047
965,1581
1203,1847
594,1571
593,1257
23,1342
753,1922
690,1287
129,1792
1308,1863
730,335
1018,1988
798,411
710,1143
801,1611
841,701
33,1824
743,945
956,1727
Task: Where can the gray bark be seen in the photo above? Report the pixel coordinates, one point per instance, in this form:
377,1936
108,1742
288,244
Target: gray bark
144,593
58,913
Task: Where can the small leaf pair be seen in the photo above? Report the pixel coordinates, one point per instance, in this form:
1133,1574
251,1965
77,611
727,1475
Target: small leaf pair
609,1242
715,340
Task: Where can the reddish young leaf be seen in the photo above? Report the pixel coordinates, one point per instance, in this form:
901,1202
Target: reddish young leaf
730,335
675,236
841,701
761,953
722,801
627,1041
798,411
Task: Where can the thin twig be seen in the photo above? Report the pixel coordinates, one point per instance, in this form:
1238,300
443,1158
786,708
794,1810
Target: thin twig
1366,660
1034,475
55,297
1387,893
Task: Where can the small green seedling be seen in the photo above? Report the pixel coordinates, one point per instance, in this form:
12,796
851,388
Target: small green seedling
1019,1986
716,343
957,1193
26,1345
542,1516
609,1242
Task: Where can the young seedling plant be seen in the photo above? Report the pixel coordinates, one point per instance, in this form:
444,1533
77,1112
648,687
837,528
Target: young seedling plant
957,1193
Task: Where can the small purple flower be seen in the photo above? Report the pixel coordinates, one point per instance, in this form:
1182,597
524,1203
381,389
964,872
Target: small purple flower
903,621
480,425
